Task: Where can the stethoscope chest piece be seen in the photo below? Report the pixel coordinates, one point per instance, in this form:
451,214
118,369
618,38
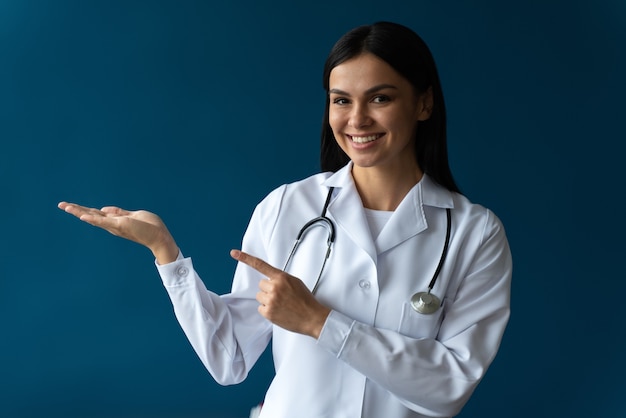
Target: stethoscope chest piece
425,302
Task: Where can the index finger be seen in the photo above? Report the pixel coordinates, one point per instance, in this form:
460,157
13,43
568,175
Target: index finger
78,210
256,263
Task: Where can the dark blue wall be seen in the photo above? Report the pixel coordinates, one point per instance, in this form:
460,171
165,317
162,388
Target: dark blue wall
197,110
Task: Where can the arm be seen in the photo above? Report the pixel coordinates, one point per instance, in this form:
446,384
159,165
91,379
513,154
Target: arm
226,332
437,376
433,376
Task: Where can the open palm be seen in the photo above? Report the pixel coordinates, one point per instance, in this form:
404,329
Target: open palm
141,226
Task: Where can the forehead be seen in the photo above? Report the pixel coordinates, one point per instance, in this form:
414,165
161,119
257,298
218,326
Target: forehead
364,71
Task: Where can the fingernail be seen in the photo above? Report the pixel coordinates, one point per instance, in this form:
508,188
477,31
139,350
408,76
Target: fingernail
235,254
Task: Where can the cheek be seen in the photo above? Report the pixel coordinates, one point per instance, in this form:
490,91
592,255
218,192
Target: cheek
406,123
337,125
334,121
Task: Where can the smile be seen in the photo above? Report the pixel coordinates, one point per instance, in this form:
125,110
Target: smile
364,139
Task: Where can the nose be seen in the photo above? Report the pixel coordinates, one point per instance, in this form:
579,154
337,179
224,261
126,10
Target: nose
359,117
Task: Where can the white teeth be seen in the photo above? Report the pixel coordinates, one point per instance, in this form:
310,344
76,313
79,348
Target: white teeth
364,139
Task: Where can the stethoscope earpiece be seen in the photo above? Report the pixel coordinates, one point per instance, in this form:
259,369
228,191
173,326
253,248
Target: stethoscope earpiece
425,303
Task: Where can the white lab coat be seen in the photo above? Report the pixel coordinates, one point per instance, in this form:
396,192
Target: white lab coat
375,357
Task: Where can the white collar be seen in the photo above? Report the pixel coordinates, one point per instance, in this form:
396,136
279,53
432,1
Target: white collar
428,192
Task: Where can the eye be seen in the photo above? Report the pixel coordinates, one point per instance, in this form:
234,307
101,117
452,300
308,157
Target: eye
381,98
341,101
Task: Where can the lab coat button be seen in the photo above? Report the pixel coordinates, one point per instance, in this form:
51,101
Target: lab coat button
364,284
182,271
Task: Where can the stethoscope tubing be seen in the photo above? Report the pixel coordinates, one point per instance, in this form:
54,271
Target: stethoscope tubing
444,253
320,220
422,302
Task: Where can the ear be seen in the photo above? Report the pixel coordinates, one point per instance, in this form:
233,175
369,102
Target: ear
425,105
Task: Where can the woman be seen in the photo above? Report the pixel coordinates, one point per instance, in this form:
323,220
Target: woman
349,340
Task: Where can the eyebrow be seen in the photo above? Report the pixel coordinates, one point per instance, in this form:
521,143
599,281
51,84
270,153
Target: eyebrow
368,91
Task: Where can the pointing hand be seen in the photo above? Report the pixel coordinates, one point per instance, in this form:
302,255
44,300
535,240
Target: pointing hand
284,299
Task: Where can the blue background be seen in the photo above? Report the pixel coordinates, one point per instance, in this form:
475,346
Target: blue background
197,109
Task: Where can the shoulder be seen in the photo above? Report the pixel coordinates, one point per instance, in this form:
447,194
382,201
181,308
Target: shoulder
309,186
478,242
286,208
477,220
298,193
469,218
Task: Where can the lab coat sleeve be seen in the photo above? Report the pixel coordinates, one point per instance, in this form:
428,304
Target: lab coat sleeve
227,332
436,377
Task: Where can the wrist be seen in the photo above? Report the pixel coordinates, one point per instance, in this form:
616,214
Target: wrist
166,251
319,324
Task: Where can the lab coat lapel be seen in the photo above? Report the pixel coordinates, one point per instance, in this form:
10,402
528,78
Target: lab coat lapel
346,209
407,221
409,218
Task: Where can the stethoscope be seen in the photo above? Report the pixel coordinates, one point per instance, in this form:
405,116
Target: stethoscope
422,302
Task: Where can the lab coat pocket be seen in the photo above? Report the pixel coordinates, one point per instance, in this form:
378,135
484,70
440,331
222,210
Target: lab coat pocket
417,325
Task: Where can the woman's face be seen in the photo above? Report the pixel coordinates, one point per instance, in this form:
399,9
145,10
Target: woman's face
373,112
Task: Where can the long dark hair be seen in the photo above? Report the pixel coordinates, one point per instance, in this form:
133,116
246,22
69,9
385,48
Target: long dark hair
409,55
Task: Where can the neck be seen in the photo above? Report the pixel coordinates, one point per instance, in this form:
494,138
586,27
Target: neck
384,189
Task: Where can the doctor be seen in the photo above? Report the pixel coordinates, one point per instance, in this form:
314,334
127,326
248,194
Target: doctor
349,339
